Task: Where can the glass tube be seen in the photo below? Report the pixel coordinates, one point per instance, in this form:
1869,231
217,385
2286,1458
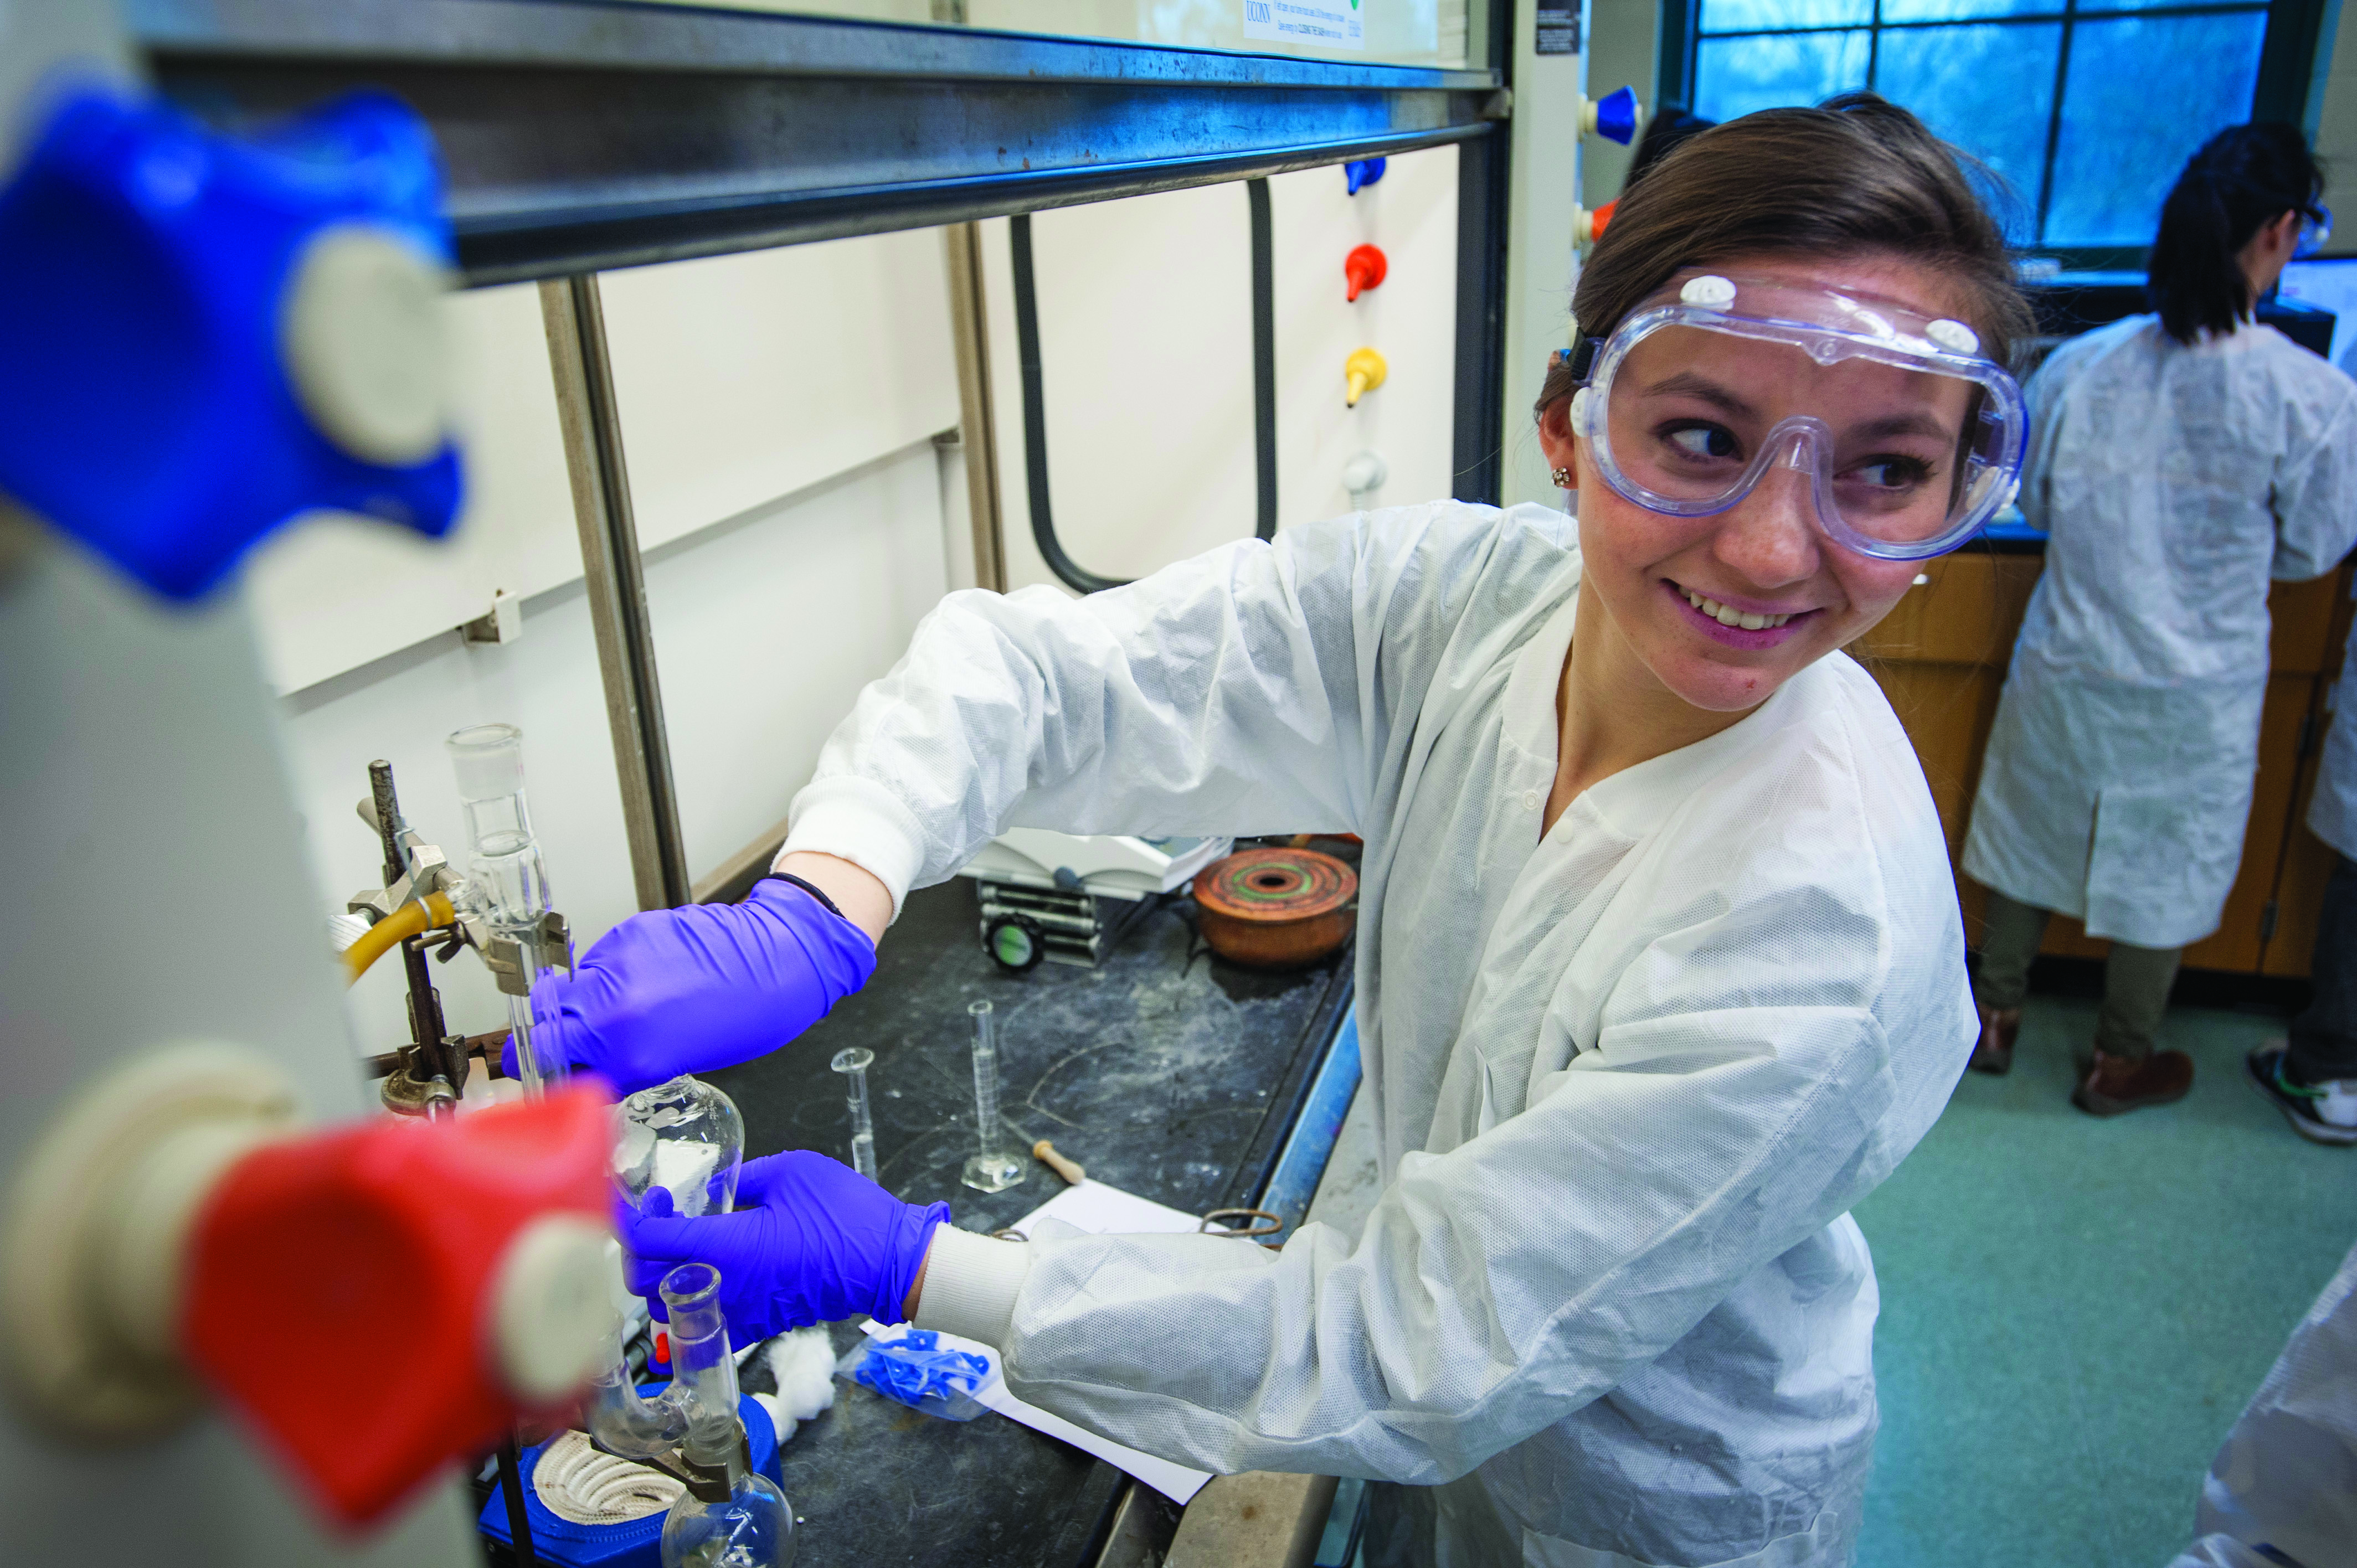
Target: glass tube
706,1374
991,1170
488,759
853,1062
505,861
753,1527
620,1419
507,879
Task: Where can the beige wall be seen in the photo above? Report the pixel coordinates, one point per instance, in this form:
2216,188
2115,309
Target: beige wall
1623,37
778,410
2332,122
1145,357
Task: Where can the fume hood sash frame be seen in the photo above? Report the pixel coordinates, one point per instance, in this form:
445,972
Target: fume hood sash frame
585,135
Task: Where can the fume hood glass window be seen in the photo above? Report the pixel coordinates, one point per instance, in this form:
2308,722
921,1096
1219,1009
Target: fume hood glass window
1368,32
2085,110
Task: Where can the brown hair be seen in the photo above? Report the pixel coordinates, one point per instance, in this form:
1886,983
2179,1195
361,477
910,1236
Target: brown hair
1859,173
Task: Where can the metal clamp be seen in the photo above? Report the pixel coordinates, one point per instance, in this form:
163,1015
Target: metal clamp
512,963
704,1483
1259,1222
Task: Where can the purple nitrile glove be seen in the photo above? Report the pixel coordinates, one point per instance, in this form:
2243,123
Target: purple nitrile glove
707,986
811,1241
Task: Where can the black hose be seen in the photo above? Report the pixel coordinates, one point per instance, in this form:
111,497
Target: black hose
1263,312
1035,396
1035,419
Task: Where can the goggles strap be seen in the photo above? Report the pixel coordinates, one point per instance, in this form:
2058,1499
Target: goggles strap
1582,357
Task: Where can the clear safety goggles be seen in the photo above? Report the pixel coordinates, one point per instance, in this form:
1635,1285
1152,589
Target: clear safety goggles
2315,232
1905,439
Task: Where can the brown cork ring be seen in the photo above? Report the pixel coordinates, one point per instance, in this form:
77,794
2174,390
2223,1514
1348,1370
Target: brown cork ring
1276,909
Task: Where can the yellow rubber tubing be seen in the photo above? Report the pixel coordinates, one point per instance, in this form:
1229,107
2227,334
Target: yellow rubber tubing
395,928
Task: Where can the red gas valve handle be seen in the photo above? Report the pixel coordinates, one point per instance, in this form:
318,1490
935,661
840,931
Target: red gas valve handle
1362,269
382,1298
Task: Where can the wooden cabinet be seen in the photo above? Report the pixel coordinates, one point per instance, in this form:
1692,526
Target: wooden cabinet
1941,658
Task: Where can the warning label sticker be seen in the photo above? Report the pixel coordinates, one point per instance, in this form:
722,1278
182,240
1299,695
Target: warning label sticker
1334,23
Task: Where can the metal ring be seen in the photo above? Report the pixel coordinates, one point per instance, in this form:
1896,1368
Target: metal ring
1263,1222
1008,1235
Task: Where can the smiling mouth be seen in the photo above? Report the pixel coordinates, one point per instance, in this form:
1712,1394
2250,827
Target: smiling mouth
1728,615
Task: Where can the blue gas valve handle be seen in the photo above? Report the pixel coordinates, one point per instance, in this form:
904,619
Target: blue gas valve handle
202,337
1361,173
1616,115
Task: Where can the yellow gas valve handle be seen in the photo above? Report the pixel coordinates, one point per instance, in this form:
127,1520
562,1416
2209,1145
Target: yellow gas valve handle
1363,372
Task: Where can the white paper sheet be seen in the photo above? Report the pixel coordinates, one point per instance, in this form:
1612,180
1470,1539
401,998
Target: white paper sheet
1103,1211
1100,1210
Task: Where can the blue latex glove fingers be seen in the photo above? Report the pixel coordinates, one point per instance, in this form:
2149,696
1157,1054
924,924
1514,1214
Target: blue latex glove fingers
758,1178
642,1277
674,991
558,1034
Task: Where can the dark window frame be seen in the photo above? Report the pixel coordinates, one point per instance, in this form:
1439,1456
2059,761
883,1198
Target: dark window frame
2286,74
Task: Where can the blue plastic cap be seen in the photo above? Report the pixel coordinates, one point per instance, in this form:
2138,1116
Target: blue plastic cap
1361,173
144,269
1615,117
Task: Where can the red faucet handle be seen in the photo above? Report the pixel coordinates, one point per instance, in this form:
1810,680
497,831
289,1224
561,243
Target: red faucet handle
382,1298
1363,269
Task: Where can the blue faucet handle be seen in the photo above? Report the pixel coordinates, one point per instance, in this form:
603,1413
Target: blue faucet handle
1615,117
208,335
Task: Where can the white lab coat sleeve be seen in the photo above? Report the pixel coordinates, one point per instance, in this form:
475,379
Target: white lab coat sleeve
2316,486
1236,693
2287,1475
1717,1123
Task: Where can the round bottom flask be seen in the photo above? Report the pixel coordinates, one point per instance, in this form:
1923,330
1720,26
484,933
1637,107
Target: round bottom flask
685,1136
754,1529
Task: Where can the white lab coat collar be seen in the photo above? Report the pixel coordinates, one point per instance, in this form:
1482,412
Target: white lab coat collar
1633,801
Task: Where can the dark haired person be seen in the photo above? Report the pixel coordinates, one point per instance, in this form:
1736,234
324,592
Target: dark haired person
2178,461
1660,969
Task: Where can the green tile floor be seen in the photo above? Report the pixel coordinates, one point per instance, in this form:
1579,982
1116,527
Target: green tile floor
2074,1311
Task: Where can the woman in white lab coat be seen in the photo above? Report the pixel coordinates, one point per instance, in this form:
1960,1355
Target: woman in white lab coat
1660,969
2180,461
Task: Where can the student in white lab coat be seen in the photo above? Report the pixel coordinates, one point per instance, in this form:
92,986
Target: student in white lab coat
2311,1076
2180,461
1659,965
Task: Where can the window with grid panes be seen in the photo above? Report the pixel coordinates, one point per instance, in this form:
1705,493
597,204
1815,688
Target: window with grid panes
2086,109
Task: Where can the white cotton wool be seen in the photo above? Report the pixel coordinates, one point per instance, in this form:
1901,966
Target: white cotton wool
804,1364
687,1169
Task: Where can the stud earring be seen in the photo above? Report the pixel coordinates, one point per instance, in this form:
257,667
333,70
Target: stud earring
1562,477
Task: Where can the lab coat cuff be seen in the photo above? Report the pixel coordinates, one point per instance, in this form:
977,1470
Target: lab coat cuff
971,1283
858,821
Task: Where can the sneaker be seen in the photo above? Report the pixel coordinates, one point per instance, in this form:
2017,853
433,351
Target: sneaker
2116,1085
2319,1112
2000,1026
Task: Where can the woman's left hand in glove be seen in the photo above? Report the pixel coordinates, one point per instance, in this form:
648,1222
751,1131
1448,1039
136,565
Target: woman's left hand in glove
810,1240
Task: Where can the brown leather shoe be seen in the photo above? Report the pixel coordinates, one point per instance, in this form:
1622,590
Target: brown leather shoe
2116,1085
2000,1026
